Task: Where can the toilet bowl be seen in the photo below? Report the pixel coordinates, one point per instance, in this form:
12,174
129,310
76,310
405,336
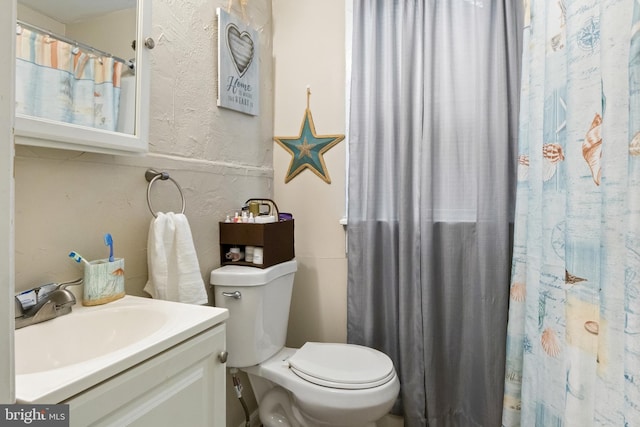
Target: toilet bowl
319,384
332,395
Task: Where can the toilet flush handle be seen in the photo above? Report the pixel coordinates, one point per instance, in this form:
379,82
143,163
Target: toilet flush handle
234,295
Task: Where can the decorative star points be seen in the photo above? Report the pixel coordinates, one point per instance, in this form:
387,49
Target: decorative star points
307,149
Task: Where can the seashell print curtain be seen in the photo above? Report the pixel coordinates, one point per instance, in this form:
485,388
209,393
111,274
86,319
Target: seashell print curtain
57,82
432,156
573,345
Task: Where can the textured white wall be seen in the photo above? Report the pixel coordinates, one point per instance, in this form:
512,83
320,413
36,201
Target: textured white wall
67,200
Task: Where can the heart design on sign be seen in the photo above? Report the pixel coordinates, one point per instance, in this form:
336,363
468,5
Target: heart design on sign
240,46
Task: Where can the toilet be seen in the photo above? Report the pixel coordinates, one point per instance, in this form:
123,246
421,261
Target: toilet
319,384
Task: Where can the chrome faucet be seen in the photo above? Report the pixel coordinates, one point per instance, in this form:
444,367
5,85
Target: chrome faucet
54,304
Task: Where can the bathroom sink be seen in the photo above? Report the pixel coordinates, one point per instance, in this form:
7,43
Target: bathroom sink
57,359
85,336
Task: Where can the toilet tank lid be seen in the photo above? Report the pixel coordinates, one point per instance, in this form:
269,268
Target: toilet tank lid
241,275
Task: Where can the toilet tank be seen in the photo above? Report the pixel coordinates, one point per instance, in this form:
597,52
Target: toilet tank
258,301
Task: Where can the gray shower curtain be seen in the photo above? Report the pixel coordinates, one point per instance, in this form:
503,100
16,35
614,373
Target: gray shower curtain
432,155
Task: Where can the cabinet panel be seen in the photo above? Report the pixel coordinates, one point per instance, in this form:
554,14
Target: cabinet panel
182,386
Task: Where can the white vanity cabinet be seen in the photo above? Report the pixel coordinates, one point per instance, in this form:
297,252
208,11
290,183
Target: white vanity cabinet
182,386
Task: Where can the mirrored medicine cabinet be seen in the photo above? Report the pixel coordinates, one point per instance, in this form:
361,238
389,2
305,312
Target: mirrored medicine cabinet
82,74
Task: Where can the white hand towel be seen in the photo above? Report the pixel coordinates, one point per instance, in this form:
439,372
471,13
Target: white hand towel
174,273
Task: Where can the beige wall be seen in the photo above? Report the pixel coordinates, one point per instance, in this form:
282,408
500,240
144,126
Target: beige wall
309,50
97,32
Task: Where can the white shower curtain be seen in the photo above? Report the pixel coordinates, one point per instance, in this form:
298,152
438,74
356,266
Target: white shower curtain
573,346
56,81
432,157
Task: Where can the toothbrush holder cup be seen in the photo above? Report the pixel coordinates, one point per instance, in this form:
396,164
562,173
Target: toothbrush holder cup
103,281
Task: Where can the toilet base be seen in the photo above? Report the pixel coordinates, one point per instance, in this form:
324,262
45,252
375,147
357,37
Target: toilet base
279,407
275,409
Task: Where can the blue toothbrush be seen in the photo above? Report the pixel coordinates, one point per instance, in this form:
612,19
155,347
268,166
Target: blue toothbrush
108,241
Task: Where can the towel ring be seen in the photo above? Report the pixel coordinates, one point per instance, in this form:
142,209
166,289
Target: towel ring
152,176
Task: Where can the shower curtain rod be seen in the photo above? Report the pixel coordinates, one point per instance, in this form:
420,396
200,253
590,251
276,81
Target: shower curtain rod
129,63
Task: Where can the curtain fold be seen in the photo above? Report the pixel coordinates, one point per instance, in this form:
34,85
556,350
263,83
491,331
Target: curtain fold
56,81
432,154
573,356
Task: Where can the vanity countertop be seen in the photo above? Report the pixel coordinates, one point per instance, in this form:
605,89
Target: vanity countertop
60,358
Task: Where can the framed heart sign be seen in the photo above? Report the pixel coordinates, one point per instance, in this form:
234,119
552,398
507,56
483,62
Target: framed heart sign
238,65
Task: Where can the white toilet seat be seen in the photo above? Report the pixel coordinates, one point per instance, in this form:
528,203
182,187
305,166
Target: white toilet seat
342,366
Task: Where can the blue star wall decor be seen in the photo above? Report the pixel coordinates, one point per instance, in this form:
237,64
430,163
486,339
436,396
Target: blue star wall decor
307,148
